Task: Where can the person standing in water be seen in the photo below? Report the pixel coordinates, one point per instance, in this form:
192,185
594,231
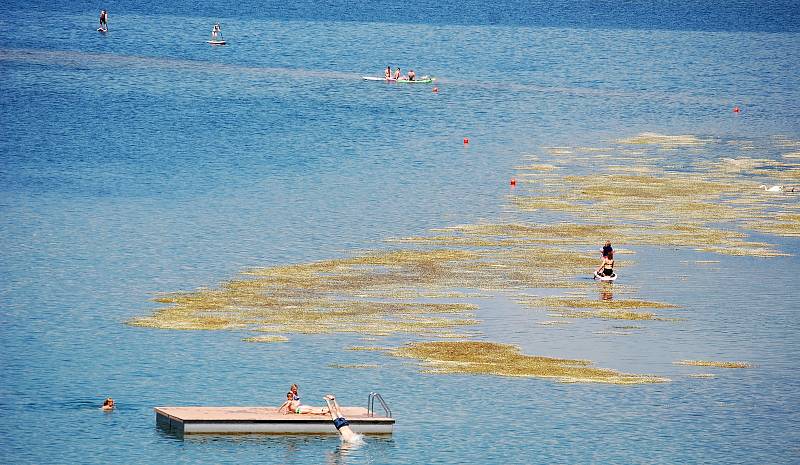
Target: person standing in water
104,20
339,421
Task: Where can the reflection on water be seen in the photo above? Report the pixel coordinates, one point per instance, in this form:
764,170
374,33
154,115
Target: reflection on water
344,451
606,291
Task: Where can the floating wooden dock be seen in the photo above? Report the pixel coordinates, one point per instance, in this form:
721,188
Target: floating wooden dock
242,420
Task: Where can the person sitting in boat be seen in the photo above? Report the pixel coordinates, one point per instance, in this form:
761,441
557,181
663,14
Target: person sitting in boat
607,267
388,73
294,406
340,422
397,75
607,249
108,404
215,31
411,75
104,20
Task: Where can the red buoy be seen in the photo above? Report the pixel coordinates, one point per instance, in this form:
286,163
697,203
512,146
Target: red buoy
435,89
736,109
513,182
466,140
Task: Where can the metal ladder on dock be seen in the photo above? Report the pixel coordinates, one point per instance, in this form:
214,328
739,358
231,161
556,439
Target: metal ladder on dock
371,404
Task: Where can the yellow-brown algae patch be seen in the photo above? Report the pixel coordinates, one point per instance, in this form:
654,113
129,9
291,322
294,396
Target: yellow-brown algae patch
266,339
487,358
651,138
595,304
706,363
791,155
612,333
455,335
542,203
610,315
453,241
558,150
785,224
702,376
368,348
744,250
538,167
352,365
553,323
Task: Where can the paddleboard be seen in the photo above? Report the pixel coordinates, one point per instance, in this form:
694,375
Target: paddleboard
604,278
424,80
417,81
216,42
373,78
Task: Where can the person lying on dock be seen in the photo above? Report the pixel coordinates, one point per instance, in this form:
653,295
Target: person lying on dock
108,404
340,422
294,406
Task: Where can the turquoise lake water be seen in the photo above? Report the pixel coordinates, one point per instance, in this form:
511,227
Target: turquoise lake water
144,161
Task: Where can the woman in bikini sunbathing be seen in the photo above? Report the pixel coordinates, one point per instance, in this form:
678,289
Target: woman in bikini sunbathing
294,406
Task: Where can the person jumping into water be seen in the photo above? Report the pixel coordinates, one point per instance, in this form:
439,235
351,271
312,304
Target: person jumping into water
104,20
339,421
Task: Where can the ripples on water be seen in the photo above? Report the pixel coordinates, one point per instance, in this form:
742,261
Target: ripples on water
142,162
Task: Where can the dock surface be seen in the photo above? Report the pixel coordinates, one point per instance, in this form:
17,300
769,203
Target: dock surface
242,420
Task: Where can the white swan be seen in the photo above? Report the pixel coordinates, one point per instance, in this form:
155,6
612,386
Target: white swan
777,188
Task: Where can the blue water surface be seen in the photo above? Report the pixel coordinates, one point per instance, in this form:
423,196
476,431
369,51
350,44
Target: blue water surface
144,161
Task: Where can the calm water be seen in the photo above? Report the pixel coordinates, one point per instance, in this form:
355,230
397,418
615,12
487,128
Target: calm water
144,161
